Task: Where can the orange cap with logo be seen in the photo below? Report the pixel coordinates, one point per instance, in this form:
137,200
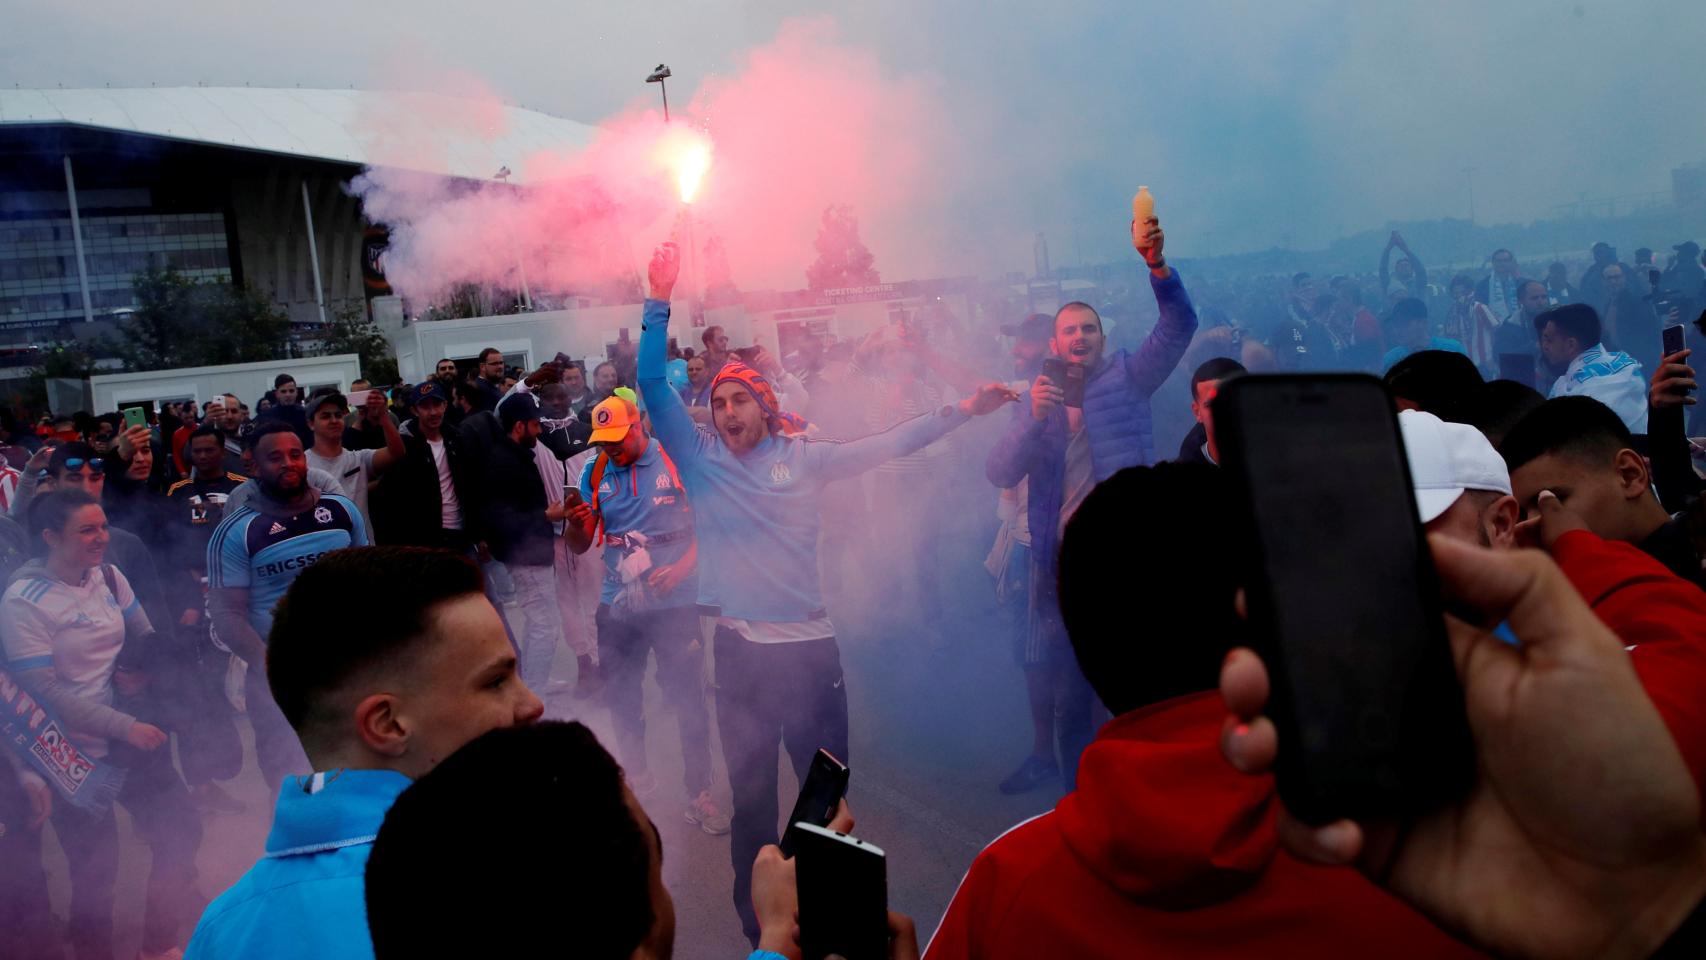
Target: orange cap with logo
612,419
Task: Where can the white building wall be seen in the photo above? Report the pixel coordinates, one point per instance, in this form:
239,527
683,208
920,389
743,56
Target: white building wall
249,381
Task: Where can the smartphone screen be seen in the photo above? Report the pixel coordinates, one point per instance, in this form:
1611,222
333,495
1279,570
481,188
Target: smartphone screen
820,795
1069,377
843,891
1343,602
1673,339
571,496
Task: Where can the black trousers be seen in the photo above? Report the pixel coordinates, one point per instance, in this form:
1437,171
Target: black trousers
673,635
160,807
791,694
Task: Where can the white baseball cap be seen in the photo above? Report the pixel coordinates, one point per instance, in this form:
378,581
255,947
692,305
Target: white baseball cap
1446,459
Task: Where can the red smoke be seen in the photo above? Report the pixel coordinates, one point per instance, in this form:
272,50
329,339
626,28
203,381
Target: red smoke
803,123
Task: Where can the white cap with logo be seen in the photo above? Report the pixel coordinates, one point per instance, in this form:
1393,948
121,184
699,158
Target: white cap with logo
1447,459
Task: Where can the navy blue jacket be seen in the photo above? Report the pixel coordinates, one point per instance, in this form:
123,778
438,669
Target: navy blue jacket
1116,413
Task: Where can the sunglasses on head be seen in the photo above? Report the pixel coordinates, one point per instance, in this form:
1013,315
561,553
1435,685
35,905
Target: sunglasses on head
76,463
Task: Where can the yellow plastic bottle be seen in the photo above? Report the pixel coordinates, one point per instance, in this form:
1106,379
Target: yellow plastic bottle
1142,205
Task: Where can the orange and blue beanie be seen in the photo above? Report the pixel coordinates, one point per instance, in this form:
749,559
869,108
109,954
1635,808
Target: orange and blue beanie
755,383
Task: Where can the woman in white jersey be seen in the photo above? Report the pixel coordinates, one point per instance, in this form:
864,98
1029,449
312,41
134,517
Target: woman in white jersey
64,618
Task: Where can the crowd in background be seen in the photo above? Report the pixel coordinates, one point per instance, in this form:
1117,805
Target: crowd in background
171,576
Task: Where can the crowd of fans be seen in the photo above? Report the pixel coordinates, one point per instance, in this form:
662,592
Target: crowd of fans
377,582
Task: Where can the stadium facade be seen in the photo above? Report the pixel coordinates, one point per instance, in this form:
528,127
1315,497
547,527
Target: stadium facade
240,184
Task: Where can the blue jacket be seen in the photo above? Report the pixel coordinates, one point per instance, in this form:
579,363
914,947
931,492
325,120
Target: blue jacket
304,899
1116,413
757,516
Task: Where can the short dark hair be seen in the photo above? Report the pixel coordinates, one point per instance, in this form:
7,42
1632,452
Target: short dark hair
441,360
75,450
1215,368
1494,408
281,380
705,338
563,790
477,397
1462,280
1077,305
1408,308
489,351
267,428
1185,589
1574,320
52,510
1433,379
552,391
1579,428
1523,287
601,366
306,661
206,430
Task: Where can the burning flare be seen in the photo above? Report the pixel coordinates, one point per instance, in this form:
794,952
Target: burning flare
690,162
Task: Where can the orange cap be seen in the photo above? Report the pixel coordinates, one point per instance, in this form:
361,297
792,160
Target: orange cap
611,420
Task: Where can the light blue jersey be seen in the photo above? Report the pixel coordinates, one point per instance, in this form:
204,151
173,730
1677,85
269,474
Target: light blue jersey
250,550
758,515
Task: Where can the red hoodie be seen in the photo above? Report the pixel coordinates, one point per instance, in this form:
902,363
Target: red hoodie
1164,850
1660,617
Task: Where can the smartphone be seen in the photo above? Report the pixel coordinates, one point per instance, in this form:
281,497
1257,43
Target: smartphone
358,399
135,417
844,896
571,496
1518,367
1069,377
1343,602
1673,339
820,794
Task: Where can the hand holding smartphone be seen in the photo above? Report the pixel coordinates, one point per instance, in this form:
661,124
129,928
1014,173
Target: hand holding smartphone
821,793
1343,603
843,893
1069,377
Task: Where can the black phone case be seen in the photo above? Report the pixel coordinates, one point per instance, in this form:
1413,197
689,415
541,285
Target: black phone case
1434,757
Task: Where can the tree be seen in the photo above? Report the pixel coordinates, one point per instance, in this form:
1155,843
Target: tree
156,334
350,331
67,359
179,322
842,260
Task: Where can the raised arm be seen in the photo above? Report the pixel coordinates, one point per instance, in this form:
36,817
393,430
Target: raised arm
671,422
834,460
1165,346
378,416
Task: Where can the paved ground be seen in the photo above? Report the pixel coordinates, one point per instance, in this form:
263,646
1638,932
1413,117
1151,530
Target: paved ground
933,731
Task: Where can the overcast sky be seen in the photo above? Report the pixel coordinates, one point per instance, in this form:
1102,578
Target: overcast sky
1254,123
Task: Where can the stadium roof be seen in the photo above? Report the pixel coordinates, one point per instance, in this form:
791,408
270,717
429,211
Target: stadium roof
436,134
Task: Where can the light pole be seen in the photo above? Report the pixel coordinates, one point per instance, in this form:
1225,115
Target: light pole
502,176
658,77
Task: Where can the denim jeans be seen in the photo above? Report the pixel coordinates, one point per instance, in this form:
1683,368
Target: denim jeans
536,593
578,581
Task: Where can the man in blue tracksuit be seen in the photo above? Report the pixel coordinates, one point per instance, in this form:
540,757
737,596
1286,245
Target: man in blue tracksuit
419,666
1065,451
757,490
